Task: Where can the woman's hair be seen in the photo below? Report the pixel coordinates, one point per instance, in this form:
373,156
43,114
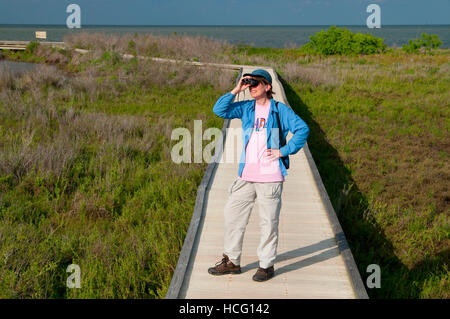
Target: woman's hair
269,93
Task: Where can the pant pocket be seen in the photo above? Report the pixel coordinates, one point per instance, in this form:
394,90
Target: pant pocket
236,185
277,190
230,188
274,190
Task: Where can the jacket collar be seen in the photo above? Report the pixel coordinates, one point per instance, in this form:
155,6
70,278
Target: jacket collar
272,106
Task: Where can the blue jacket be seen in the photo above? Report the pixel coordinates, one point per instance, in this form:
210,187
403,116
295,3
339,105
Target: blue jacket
245,110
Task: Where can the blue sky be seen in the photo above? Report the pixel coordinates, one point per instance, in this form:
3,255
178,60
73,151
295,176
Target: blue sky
225,12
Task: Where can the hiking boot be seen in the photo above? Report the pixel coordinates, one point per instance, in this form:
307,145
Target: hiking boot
225,266
263,274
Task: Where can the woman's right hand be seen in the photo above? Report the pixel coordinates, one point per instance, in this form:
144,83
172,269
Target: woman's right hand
240,86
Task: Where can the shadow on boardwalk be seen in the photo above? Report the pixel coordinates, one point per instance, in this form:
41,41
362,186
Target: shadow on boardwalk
367,241
330,252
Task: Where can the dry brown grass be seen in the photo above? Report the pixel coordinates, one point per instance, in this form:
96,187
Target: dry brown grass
6,77
39,146
173,46
141,73
51,55
51,136
316,74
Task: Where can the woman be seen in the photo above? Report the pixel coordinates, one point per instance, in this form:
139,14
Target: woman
261,170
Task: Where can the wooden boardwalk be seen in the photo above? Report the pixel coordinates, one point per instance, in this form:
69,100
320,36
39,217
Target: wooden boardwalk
22,45
313,261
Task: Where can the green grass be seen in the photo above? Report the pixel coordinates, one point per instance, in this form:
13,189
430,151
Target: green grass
380,141
108,197
120,208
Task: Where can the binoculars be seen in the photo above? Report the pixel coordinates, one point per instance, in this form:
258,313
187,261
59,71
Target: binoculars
252,82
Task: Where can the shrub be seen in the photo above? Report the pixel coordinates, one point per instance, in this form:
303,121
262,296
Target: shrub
342,41
31,47
427,42
132,47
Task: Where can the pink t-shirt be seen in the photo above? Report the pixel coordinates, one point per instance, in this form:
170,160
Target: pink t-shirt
258,168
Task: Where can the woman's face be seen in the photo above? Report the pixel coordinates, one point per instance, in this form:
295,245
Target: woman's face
260,90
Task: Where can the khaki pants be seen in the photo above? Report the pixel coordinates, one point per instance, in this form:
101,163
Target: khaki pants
237,213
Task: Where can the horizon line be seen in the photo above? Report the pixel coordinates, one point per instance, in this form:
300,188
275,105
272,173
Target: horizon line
215,25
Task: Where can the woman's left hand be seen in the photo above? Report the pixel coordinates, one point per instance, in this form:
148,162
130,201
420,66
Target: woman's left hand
273,154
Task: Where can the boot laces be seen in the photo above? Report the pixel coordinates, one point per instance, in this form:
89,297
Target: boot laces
223,261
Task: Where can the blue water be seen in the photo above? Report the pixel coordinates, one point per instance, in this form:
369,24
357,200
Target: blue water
18,67
259,36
